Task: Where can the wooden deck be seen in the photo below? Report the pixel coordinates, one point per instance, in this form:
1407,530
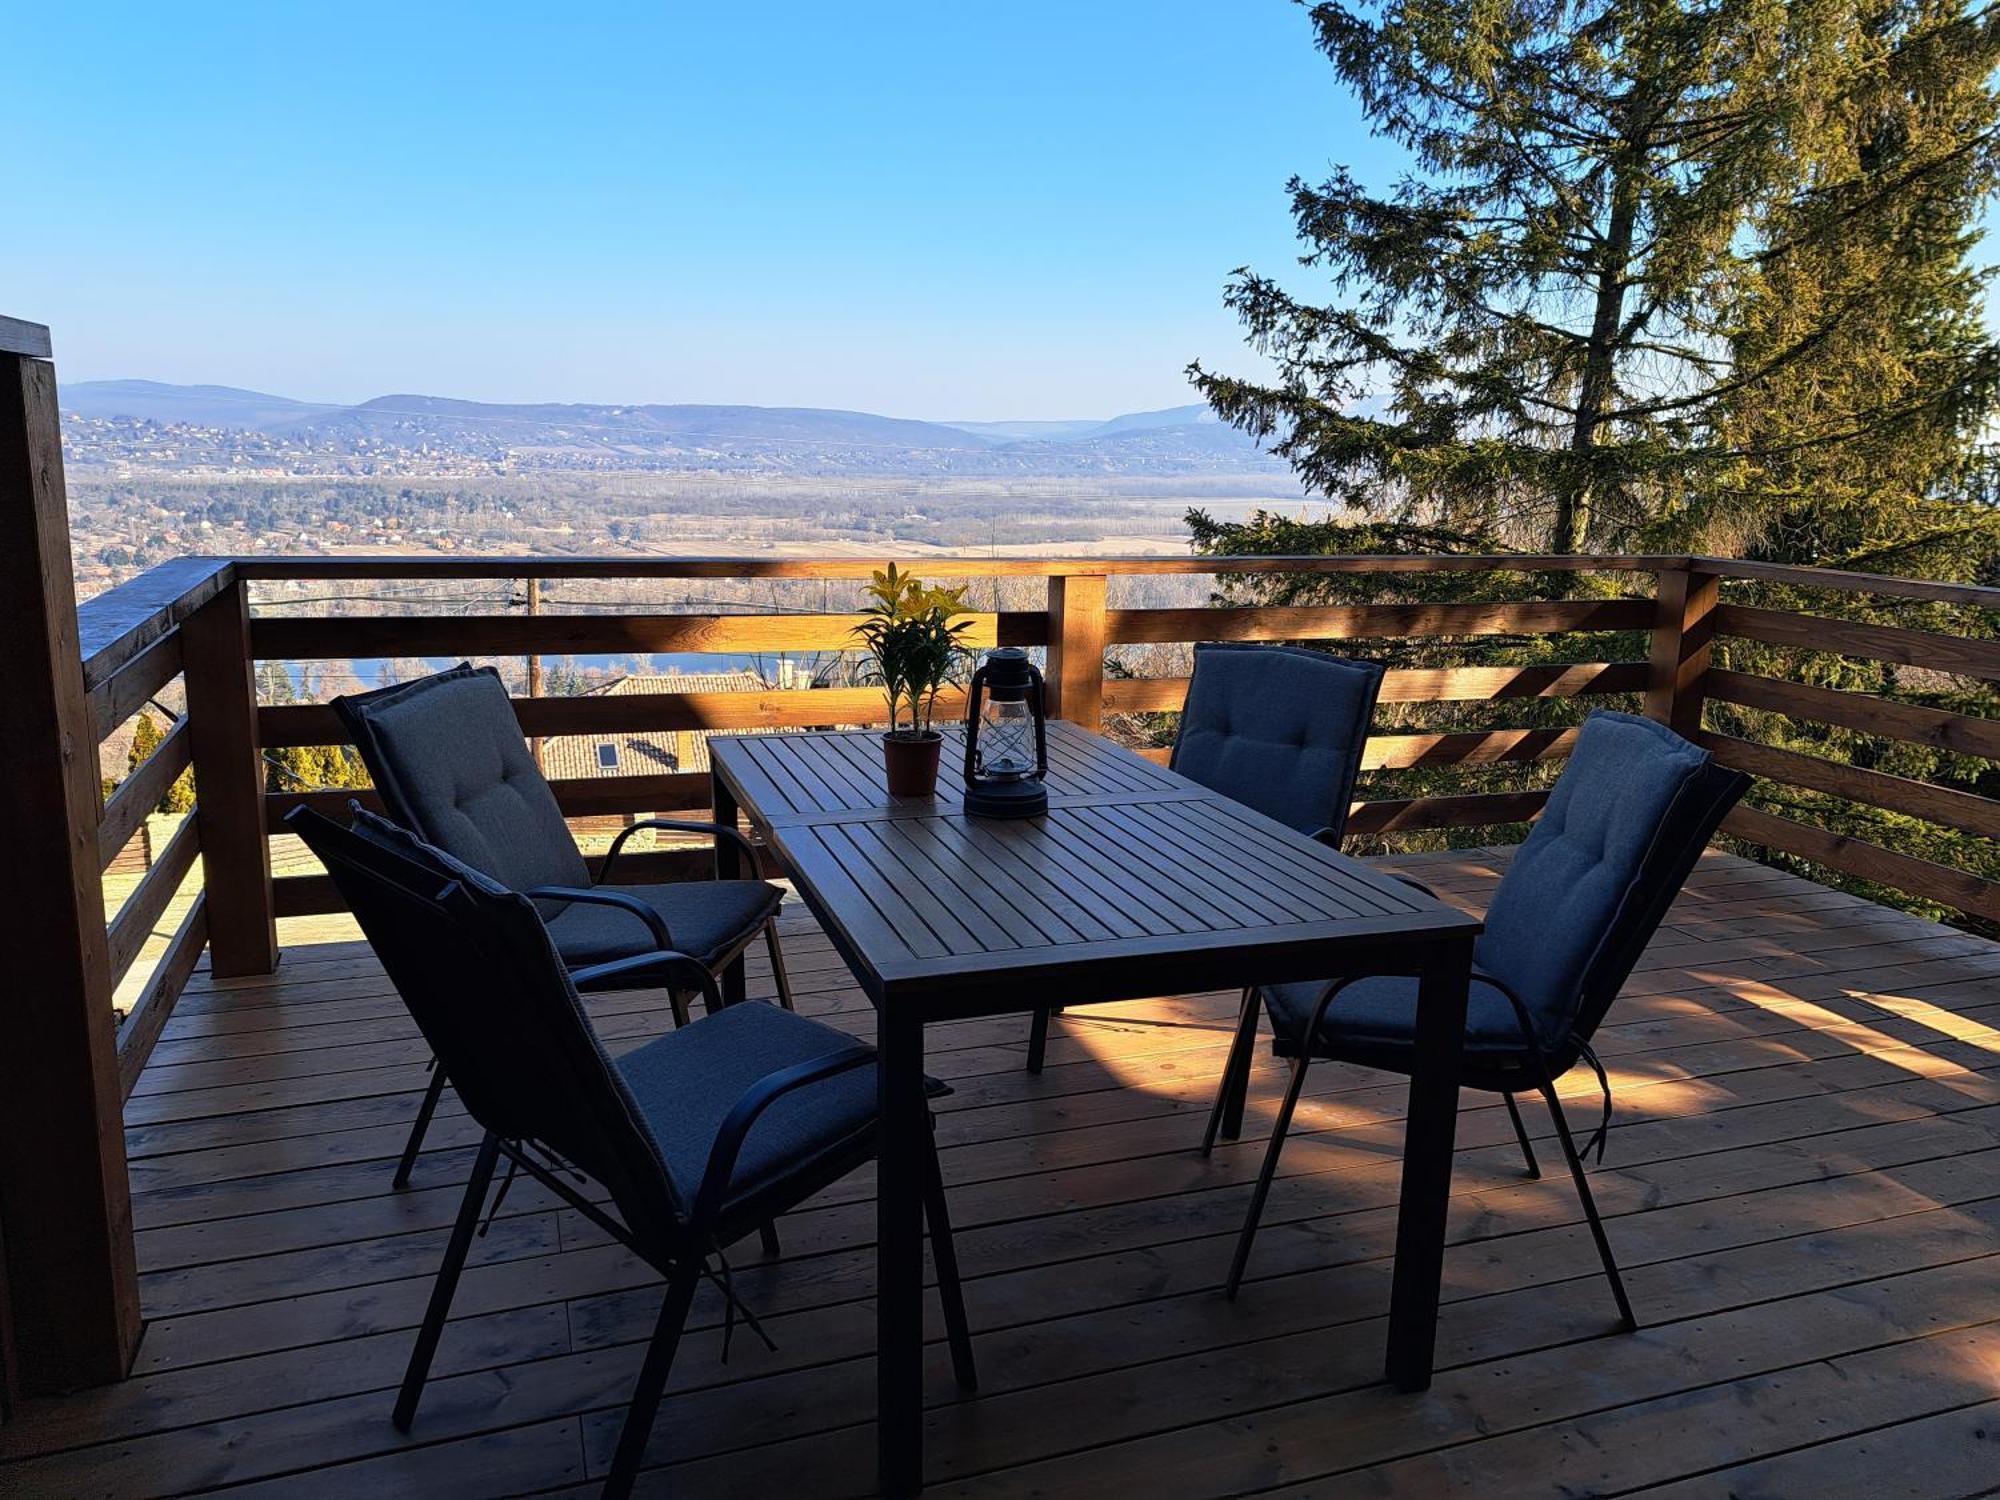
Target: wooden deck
1804,1188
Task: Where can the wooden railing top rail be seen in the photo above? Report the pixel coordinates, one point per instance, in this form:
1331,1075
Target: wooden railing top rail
18,336
938,567
120,623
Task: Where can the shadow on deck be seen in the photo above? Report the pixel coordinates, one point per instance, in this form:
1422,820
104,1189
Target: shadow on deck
1804,1188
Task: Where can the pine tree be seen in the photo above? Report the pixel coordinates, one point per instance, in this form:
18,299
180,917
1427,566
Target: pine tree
147,738
1556,314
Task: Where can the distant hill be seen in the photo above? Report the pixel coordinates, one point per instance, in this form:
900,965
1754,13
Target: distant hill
436,418
196,405
1070,431
1184,439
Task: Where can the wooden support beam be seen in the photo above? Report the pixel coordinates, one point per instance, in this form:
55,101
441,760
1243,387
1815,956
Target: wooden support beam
72,1293
1076,649
229,785
1683,631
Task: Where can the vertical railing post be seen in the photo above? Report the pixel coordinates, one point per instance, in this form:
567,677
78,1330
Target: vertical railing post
69,1291
1683,631
1076,648
229,785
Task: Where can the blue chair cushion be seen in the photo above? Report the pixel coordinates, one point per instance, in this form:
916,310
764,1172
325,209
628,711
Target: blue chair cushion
1379,1014
399,840
447,754
686,1083
1598,866
705,918
1278,728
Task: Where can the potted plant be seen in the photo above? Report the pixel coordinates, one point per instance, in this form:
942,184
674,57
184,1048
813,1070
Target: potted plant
912,631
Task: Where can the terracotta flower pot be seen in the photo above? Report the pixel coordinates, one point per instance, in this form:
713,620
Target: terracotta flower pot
912,763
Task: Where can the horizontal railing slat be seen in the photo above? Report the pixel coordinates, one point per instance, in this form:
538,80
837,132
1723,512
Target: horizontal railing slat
127,690
1369,819
1491,747
1375,621
1863,712
317,724
1965,811
141,792
1421,685
149,1015
1977,595
364,637
150,898
1960,655
1852,856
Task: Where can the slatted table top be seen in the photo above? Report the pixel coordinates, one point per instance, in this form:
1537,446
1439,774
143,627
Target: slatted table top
1138,881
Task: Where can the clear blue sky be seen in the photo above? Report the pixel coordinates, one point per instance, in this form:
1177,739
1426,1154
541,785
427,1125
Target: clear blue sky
935,209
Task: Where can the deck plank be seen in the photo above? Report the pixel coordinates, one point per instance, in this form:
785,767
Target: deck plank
1804,1187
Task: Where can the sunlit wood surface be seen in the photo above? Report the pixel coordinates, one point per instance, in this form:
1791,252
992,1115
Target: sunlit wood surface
1803,1185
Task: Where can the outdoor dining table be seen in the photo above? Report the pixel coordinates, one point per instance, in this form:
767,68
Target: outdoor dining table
1136,883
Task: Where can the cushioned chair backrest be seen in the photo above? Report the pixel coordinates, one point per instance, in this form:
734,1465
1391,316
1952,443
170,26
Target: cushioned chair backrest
447,755
1278,728
474,964
1628,818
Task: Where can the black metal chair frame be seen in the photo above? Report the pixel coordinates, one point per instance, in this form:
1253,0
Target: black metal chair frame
1225,1118
710,1221
623,973
397,803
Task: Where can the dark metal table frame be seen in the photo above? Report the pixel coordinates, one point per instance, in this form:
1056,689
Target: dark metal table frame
816,799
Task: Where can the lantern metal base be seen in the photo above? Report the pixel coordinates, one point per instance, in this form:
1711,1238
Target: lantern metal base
1026,798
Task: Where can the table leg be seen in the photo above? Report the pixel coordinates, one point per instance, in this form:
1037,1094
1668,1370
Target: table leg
1427,1151
728,866
899,1256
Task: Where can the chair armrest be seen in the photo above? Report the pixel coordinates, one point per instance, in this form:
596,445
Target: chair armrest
1330,837
598,896
677,825
1412,880
691,972
759,1097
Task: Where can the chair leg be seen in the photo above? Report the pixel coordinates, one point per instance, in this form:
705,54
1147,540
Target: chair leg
677,1002
447,1282
652,1379
419,1127
1226,1119
767,1235
1263,1191
1521,1135
944,1255
1038,1039
778,973
1590,1208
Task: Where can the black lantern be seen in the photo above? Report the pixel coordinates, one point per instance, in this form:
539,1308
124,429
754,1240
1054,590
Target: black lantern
1006,738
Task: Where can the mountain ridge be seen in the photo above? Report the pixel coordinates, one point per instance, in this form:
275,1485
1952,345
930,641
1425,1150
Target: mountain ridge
653,436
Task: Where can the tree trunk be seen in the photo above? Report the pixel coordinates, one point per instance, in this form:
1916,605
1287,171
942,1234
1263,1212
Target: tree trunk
1577,500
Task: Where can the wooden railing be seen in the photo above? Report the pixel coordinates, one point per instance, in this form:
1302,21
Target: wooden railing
192,617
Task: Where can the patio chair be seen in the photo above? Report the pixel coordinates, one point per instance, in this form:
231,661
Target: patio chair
447,756
696,1137
1277,728
1627,820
